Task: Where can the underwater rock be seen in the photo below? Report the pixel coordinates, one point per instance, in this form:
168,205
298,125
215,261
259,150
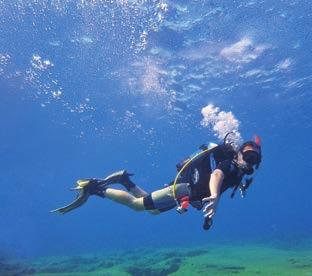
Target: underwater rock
300,266
15,269
78,260
232,269
293,260
194,253
76,264
58,269
143,271
171,254
225,269
175,261
26,271
106,264
211,266
173,268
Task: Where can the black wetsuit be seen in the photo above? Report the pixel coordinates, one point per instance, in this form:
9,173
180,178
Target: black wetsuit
196,176
199,171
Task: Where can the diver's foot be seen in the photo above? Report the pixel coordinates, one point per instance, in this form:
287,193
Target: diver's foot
85,188
122,177
91,186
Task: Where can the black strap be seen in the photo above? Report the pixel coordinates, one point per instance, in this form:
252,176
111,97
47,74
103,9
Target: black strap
148,203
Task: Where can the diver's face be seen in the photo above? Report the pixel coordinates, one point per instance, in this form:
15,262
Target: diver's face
249,156
241,161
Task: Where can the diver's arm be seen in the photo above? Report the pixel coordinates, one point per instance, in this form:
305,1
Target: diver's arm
215,183
210,203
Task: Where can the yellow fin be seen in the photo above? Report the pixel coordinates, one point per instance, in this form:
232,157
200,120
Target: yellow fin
81,183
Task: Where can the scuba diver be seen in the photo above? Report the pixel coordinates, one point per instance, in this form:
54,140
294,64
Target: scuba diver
200,181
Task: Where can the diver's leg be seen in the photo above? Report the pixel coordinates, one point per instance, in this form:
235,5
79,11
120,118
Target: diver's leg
123,177
125,198
155,203
133,189
163,200
137,191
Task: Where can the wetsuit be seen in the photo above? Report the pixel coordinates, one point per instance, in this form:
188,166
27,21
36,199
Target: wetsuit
199,172
194,180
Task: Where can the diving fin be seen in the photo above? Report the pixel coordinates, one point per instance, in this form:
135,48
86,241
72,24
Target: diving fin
122,177
80,200
86,187
93,186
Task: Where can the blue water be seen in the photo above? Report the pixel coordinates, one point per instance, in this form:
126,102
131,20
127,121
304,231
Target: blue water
91,87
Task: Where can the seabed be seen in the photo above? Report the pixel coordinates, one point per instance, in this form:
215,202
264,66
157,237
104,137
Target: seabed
250,259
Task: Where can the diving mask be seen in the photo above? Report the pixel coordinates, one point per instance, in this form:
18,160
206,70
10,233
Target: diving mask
251,157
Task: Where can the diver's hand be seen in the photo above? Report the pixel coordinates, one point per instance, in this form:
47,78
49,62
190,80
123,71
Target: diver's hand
209,210
210,205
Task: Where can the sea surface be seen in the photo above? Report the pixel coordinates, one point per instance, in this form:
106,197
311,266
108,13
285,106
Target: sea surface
89,87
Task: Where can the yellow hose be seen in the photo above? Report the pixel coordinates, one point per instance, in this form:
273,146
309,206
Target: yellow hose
182,169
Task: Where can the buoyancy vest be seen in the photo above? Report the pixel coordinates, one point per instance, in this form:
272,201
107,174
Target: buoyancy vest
200,166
